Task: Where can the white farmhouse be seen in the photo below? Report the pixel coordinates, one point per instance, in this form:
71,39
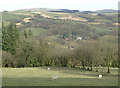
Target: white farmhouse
79,38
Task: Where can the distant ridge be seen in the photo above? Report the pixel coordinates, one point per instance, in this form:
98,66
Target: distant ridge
107,11
66,11
70,11
40,9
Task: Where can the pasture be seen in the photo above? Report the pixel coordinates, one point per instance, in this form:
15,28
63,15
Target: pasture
41,76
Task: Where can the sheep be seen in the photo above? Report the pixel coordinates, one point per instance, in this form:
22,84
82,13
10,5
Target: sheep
100,76
55,77
48,68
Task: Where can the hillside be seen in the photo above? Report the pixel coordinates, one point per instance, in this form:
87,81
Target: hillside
38,37
56,25
59,47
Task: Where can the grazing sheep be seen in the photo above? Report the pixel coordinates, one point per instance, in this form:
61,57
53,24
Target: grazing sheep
48,68
55,77
100,76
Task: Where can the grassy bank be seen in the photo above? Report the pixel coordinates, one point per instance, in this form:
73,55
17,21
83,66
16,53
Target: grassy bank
67,77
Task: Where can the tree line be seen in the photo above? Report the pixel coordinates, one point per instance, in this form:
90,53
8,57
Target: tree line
21,49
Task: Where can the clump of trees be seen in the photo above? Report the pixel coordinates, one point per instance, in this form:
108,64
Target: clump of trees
21,49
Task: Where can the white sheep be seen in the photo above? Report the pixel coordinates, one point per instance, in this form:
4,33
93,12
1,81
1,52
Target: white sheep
55,77
100,76
48,68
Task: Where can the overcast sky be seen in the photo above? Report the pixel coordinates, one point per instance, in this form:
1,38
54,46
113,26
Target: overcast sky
59,4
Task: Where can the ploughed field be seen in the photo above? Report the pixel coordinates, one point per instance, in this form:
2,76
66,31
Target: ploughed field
41,76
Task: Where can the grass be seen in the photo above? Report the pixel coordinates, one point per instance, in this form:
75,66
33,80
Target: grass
68,77
52,14
7,17
36,31
99,29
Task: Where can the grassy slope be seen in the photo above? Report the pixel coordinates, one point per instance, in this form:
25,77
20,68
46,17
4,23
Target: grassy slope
13,15
68,77
36,31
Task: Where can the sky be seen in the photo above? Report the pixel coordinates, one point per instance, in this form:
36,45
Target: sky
82,5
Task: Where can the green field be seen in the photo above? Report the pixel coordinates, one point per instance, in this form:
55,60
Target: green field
44,38
40,76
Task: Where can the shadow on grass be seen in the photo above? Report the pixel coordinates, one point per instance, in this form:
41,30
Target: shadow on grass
78,71
44,81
